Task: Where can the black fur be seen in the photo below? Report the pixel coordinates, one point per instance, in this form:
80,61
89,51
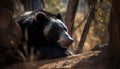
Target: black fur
35,23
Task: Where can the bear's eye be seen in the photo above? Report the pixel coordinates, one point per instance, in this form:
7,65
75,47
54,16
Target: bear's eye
59,29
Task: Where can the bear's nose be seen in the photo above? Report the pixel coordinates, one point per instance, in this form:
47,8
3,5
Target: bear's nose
70,41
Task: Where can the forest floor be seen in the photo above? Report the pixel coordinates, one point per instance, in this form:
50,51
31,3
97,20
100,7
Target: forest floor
87,60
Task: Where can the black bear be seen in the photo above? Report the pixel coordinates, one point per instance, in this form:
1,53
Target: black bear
47,34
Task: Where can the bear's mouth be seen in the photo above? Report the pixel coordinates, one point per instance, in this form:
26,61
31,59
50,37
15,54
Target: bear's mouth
65,44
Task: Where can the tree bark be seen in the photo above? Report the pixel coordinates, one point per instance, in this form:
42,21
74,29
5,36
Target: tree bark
114,35
70,15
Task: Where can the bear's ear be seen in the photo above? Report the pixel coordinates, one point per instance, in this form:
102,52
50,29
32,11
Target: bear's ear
41,17
59,16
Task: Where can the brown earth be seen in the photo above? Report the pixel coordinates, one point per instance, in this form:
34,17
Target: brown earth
88,60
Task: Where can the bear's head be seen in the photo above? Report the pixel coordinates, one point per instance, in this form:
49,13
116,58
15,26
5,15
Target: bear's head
54,30
44,28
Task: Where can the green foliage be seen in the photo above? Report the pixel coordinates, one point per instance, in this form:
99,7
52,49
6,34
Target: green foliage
103,11
102,18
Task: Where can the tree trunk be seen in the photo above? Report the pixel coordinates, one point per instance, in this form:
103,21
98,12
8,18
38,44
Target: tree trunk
10,33
85,32
87,26
30,5
70,15
8,4
114,35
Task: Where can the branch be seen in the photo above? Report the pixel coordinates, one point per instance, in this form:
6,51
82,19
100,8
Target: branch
86,29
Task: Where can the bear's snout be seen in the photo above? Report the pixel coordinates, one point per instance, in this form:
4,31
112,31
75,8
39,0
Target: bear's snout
65,40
